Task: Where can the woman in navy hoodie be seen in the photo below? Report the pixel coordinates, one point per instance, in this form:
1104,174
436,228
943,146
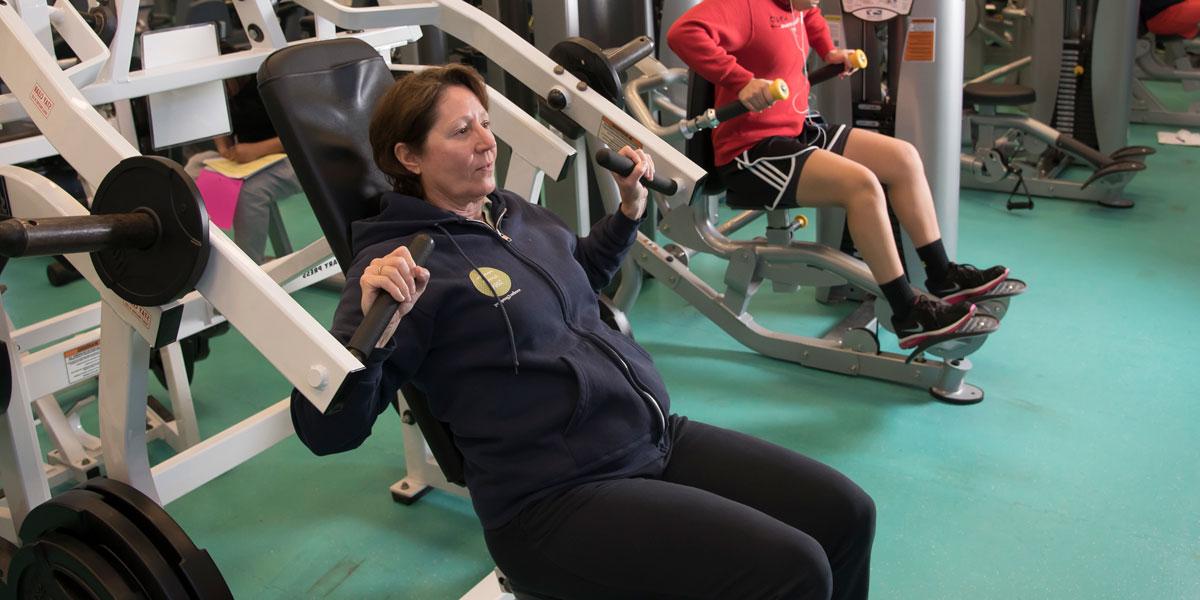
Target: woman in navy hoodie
585,483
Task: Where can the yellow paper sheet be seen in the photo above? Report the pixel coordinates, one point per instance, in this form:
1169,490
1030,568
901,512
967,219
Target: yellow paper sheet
237,170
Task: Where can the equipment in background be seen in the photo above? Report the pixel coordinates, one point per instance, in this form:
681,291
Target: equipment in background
997,33
1077,119
1174,64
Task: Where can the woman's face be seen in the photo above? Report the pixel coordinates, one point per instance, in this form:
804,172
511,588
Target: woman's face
458,164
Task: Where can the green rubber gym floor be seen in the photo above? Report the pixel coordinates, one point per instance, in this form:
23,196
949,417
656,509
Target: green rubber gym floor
1077,477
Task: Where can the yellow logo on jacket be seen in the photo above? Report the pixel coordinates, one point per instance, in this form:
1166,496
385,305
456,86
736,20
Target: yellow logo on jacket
500,281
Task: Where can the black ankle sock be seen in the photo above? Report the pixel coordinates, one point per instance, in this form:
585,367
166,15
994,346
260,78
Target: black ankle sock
899,296
937,264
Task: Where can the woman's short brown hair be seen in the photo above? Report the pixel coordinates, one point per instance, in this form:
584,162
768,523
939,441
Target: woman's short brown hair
406,114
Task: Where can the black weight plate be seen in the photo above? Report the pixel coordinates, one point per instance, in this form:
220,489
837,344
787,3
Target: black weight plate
59,566
195,567
85,515
171,266
586,60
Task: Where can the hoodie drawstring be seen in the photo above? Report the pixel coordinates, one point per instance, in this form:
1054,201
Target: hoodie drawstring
512,340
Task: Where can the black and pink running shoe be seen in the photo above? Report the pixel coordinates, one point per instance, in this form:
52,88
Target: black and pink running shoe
964,282
932,318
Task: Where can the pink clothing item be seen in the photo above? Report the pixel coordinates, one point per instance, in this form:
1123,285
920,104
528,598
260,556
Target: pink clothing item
220,195
730,42
1182,20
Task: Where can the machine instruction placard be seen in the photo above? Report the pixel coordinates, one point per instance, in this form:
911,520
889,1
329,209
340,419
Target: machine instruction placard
922,41
615,137
836,31
82,362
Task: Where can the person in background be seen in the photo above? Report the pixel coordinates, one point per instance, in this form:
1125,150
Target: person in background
1172,17
781,156
253,137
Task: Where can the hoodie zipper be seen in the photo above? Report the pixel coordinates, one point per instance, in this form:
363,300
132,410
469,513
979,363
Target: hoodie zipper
595,341
612,353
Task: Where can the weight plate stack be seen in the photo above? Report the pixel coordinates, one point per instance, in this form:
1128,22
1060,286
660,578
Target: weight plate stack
102,540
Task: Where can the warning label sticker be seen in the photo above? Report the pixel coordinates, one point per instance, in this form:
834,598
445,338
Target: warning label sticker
140,313
42,101
836,31
615,137
922,40
83,362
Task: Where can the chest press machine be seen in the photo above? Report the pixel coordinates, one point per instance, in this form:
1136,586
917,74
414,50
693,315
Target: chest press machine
53,355
151,247
292,341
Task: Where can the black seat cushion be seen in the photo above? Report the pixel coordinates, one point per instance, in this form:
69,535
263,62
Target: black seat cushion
320,97
699,149
998,94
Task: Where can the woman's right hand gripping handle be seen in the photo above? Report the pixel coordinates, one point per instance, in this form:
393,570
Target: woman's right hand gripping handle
390,286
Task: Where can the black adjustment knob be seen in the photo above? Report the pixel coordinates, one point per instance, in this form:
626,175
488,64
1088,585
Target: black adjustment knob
556,99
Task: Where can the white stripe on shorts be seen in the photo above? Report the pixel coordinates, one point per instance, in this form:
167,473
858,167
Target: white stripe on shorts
769,173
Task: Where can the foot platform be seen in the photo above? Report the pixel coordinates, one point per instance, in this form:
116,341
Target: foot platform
959,343
1136,153
1007,289
995,302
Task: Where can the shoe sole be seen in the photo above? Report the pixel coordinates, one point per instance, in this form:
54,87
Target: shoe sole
918,339
976,291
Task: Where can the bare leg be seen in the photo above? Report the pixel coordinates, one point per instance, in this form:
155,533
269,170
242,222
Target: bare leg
831,180
898,165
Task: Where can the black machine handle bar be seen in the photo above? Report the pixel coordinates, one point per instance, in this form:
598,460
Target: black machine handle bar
623,166
779,91
385,306
628,55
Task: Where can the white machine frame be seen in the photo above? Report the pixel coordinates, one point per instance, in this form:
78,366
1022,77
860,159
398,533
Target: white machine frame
289,338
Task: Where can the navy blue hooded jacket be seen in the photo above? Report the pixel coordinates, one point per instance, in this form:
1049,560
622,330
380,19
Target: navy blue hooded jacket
539,397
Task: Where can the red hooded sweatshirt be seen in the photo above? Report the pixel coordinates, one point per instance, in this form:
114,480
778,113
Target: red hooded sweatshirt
730,42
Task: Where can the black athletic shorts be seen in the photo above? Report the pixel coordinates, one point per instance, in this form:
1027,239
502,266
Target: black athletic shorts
765,176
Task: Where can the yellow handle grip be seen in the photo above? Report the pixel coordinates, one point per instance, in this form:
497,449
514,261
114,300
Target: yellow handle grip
779,90
857,59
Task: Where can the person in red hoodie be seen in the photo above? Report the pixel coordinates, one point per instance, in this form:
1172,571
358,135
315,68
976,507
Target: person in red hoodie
779,155
1172,17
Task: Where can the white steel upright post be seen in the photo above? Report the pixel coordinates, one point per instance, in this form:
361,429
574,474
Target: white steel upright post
123,358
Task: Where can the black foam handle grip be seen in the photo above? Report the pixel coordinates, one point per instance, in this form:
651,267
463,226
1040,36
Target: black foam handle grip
384,308
778,90
623,166
731,110
825,73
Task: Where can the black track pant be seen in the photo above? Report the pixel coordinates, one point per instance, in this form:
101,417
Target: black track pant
732,517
